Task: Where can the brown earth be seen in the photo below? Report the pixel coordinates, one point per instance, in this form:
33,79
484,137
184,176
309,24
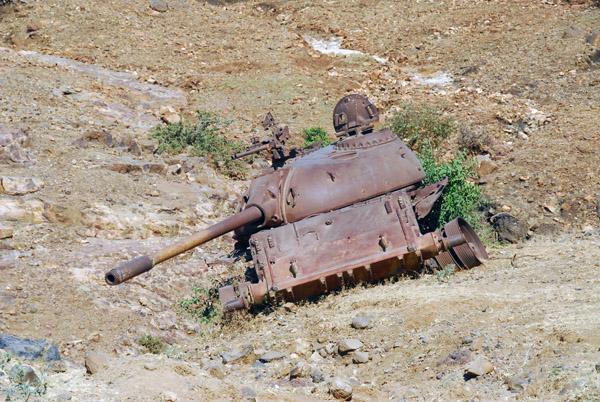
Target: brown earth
522,73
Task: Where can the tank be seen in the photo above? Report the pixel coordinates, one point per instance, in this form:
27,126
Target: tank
322,219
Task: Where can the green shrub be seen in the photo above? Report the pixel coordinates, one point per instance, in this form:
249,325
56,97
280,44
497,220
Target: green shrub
460,198
422,125
13,384
204,305
443,275
152,344
315,134
201,139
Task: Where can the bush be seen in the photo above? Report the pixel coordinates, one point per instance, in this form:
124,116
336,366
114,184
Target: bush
201,139
152,344
13,382
315,134
473,142
460,198
421,126
204,305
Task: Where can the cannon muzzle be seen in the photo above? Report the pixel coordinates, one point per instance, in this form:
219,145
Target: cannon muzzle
145,263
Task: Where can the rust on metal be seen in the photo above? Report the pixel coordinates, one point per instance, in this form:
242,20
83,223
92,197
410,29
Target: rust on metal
322,219
145,263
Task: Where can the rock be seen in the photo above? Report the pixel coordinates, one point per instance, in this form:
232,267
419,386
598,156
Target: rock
100,136
246,354
282,368
5,233
166,320
289,307
169,115
169,396
248,394
485,165
572,32
23,374
460,356
316,357
35,26
151,366
64,397
13,140
360,357
594,38
28,349
216,370
138,167
348,345
340,389
95,361
302,347
509,228
516,383
317,376
361,322
476,345
19,185
174,169
478,367
148,146
301,369
270,356
159,5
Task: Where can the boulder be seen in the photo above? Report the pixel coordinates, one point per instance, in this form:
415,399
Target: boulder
29,349
95,361
19,185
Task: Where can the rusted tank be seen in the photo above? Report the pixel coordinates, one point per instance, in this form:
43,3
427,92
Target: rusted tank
324,218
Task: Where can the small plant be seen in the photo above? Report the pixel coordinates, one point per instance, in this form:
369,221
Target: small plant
315,134
420,126
15,386
555,372
460,198
201,139
152,344
204,305
443,275
473,142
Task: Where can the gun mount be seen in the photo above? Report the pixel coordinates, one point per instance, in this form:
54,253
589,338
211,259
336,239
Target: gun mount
340,215
274,144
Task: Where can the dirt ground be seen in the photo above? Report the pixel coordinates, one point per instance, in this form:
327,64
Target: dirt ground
81,85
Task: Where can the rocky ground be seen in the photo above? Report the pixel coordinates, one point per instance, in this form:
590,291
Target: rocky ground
82,189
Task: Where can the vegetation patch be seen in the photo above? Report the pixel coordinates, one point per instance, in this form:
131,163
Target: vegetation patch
444,275
152,344
204,305
421,125
16,384
424,128
202,138
316,134
460,197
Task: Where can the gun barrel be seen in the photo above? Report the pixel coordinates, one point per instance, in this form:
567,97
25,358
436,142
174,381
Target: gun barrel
249,151
145,263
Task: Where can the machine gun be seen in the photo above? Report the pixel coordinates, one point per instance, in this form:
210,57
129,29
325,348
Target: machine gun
274,144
